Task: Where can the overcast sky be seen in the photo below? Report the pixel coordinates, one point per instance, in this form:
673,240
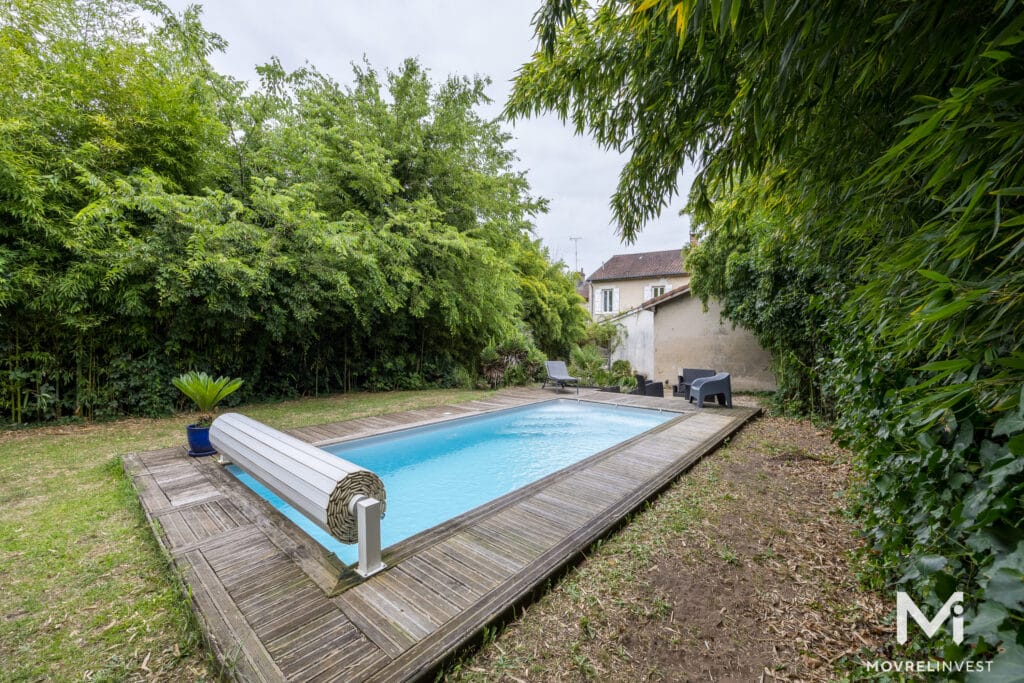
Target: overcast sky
463,37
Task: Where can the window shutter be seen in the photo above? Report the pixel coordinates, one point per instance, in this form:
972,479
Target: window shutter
647,292
615,300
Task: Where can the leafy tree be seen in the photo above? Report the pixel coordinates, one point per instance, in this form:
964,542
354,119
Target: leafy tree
552,308
859,185
307,237
88,98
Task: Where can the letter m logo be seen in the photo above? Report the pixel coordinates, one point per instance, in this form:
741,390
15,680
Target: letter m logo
906,606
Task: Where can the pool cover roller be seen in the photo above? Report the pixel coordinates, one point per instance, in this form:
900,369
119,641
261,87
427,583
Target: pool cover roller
311,480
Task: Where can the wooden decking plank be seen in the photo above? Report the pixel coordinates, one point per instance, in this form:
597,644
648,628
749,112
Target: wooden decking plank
636,465
332,651
265,585
178,532
167,469
395,608
299,648
263,604
310,434
262,581
151,495
204,521
162,457
446,561
178,478
266,617
228,536
583,496
456,593
294,618
229,633
540,529
336,430
417,596
296,621
502,563
435,560
243,569
199,489
467,559
562,519
247,541
611,479
231,511
501,543
349,666
611,486
389,637
506,537
576,485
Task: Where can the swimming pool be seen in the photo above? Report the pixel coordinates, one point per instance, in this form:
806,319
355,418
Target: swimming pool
436,472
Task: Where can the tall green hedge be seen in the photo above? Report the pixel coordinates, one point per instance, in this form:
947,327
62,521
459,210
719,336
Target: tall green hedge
156,217
860,201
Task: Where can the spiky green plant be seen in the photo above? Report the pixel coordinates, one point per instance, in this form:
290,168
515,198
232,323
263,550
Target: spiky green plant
205,392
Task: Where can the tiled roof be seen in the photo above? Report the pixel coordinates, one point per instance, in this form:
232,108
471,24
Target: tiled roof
648,264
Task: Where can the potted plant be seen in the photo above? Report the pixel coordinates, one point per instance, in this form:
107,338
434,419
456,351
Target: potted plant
206,393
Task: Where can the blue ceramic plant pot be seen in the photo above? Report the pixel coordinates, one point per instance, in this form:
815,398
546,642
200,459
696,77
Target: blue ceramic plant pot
199,441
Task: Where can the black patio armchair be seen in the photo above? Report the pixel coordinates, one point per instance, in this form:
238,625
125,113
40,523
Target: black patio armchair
687,376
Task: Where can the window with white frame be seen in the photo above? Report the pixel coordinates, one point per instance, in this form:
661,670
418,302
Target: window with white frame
607,300
657,290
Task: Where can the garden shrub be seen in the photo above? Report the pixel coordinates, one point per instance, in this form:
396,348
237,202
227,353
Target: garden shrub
587,363
512,362
305,236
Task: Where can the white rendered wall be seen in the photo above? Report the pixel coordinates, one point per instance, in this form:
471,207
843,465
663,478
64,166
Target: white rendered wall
638,346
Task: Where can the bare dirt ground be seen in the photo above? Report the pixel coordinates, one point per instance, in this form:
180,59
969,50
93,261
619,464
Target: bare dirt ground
741,571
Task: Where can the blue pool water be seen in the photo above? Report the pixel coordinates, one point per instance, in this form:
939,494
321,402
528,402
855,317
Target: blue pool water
437,472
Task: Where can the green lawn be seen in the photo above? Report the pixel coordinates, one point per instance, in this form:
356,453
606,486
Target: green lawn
86,590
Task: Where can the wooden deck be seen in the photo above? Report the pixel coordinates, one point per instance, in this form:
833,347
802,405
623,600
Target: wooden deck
275,607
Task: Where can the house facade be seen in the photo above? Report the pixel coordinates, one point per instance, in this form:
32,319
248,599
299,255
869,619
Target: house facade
673,331
625,281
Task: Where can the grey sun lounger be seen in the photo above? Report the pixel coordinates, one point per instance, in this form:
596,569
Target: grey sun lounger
719,385
559,375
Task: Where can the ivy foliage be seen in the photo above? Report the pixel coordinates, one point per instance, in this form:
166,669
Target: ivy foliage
776,283
157,217
859,198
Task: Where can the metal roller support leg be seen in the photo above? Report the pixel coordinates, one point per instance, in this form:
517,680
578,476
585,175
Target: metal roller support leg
367,512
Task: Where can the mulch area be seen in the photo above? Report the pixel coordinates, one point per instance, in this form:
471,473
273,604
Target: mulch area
742,571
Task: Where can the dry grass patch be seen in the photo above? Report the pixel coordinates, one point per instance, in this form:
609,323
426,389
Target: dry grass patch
740,571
